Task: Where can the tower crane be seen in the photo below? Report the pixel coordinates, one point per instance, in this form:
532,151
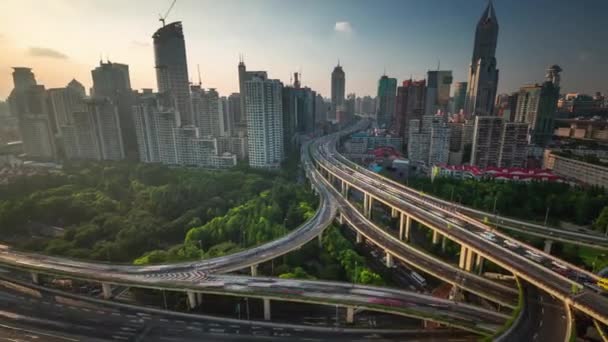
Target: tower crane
163,17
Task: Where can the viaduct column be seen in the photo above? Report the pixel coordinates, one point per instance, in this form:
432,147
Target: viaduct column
404,227
548,245
267,309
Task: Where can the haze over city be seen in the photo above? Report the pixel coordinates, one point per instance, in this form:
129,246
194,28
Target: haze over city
65,39
180,170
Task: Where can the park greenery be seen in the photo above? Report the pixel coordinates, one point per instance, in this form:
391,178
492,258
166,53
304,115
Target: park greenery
528,201
149,214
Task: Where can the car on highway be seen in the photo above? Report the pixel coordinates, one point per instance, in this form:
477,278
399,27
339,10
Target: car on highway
488,236
533,255
511,244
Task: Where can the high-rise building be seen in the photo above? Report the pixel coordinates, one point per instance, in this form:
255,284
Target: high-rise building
227,124
385,107
368,105
63,102
245,76
162,138
438,85
429,140
487,135
483,74
350,107
321,109
513,144
338,91
263,101
537,105
409,106
234,113
28,102
460,96
112,81
172,68
95,132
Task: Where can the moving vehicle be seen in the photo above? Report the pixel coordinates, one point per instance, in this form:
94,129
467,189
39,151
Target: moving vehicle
418,278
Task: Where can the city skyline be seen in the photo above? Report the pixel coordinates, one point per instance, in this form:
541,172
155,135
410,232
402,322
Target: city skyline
364,44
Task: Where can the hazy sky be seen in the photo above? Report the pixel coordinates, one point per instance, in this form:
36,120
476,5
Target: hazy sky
63,39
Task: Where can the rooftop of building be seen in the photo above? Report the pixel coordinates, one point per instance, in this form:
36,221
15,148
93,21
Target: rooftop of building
589,159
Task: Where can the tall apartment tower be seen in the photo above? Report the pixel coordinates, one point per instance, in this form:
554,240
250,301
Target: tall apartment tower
536,106
385,110
460,96
487,134
95,133
338,92
264,110
245,76
438,91
172,68
28,102
112,81
429,140
513,144
63,102
483,74
409,106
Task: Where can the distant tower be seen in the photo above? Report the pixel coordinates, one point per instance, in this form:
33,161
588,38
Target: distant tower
553,75
172,68
242,120
338,91
483,75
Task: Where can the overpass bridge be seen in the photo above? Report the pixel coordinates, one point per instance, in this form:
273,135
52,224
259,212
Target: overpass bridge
476,239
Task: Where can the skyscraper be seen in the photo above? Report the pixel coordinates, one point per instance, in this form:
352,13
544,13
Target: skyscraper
429,140
112,81
460,96
409,106
28,102
513,144
245,76
385,110
338,91
536,106
172,68
63,102
486,141
264,110
95,132
438,85
483,75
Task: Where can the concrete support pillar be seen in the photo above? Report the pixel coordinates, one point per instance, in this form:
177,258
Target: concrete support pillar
479,263
404,227
359,237
320,240
199,298
389,260
394,212
367,206
463,256
469,261
435,237
266,309
106,289
191,299
35,278
444,241
254,270
341,218
350,315
548,244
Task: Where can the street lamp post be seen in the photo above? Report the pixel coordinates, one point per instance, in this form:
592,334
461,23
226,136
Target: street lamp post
547,214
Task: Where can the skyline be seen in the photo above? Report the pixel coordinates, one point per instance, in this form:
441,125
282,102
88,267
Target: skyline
308,37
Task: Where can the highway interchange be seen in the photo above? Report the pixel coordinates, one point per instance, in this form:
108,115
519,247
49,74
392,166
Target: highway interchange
205,276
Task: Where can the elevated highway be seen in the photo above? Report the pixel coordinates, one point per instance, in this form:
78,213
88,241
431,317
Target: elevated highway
476,239
582,238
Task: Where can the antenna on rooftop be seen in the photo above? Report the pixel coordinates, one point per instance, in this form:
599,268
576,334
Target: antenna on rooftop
198,68
163,17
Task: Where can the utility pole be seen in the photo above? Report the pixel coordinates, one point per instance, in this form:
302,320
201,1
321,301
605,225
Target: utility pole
547,214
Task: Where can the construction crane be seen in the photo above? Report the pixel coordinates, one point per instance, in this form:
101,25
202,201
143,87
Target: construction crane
163,17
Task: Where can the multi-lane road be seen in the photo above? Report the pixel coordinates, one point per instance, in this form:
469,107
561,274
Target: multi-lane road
529,263
34,314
